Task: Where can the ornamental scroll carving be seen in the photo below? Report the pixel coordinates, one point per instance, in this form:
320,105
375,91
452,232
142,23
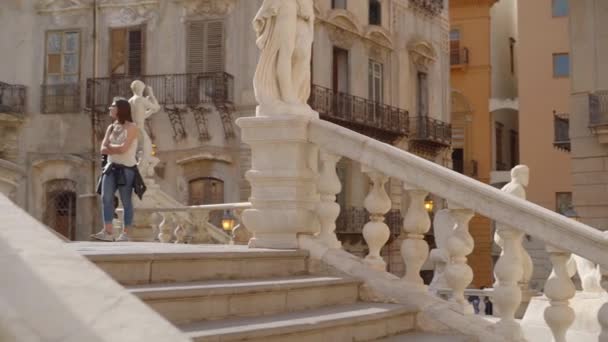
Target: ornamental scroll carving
428,7
115,12
206,8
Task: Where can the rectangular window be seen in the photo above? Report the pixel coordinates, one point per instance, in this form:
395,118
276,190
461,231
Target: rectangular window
561,65
376,81
127,51
423,94
338,4
62,57
500,165
560,8
458,160
512,54
340,74
375,12
514,146
205,46
455,58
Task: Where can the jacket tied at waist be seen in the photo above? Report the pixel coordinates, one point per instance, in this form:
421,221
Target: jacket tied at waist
118,170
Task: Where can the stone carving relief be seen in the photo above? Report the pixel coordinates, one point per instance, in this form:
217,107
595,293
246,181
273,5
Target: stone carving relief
423,54
428,7
206,8
115,12
341,37
200,117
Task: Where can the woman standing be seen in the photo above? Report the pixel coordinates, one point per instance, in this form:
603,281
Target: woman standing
120,144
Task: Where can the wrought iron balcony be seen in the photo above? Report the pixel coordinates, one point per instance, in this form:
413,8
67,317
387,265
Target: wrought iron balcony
352,219
598,115
459,57
189,90
373,119
561,124
60,98
12,98
431,131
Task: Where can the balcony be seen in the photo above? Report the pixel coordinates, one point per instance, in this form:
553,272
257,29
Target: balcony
12,98
459,57
60,98
561,124
598,115
373,119
189,90
430,134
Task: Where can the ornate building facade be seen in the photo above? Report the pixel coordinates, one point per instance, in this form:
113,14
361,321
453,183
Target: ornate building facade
379,67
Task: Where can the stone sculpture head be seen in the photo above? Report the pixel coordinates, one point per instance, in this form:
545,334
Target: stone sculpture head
520,174
138,87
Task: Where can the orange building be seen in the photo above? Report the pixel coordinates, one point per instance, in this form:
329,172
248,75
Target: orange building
470,114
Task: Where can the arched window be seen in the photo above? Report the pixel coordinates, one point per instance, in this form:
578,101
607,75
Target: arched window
207,190
375,12
60,209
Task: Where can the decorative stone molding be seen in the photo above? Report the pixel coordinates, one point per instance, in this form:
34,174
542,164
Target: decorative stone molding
428,7
206,8
378,35
344,19
205,156
341,37
423,54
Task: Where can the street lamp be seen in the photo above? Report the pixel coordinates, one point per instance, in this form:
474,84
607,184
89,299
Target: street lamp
228,221
428,205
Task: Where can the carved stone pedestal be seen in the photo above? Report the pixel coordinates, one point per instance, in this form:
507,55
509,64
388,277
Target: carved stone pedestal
283,180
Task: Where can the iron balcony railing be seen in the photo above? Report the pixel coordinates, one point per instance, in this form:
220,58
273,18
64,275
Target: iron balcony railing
459,56
426,129
598,108
12,98
352,219
561,124
357,112
60,98
190,89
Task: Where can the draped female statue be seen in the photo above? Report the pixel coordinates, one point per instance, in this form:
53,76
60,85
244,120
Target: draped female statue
284,31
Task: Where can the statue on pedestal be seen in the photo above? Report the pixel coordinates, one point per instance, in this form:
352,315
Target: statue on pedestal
141,109
285,32
520,177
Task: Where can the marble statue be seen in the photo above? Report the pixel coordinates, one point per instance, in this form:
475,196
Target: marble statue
588,272
285,32
141,109
520,177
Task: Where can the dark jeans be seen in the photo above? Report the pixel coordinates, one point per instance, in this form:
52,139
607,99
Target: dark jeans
108,189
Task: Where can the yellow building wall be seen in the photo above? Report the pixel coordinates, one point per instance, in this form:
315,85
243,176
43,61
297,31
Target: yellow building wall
474,82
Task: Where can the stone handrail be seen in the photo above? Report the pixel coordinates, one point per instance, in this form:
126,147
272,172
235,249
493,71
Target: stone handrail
50,292
172,224
546,225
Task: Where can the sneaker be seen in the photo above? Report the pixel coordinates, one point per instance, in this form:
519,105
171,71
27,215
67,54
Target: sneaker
103,236
122,238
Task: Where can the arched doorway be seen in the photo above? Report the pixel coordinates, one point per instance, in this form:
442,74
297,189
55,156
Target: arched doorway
60,208
207,190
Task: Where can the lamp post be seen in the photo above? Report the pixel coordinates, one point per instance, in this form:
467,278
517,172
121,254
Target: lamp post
428,205
228,221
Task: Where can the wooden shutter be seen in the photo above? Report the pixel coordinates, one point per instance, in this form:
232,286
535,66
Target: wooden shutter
135,57
205,46
118,51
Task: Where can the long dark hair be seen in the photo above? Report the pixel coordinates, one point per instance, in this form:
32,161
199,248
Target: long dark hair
123,110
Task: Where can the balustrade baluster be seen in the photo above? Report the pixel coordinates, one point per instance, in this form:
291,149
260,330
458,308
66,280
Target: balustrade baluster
458,273
376,232
508,272
155,220
166,228
602,315
414,249
327,209
559,289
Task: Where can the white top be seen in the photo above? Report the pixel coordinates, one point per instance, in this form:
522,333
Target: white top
117,137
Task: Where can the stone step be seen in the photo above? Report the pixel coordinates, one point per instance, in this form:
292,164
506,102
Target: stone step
342,323
212,300
132,263
427,337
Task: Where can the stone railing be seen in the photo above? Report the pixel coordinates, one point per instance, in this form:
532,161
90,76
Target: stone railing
190,224
294,186
50,292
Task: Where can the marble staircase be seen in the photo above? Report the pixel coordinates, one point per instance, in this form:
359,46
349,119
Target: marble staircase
232,293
